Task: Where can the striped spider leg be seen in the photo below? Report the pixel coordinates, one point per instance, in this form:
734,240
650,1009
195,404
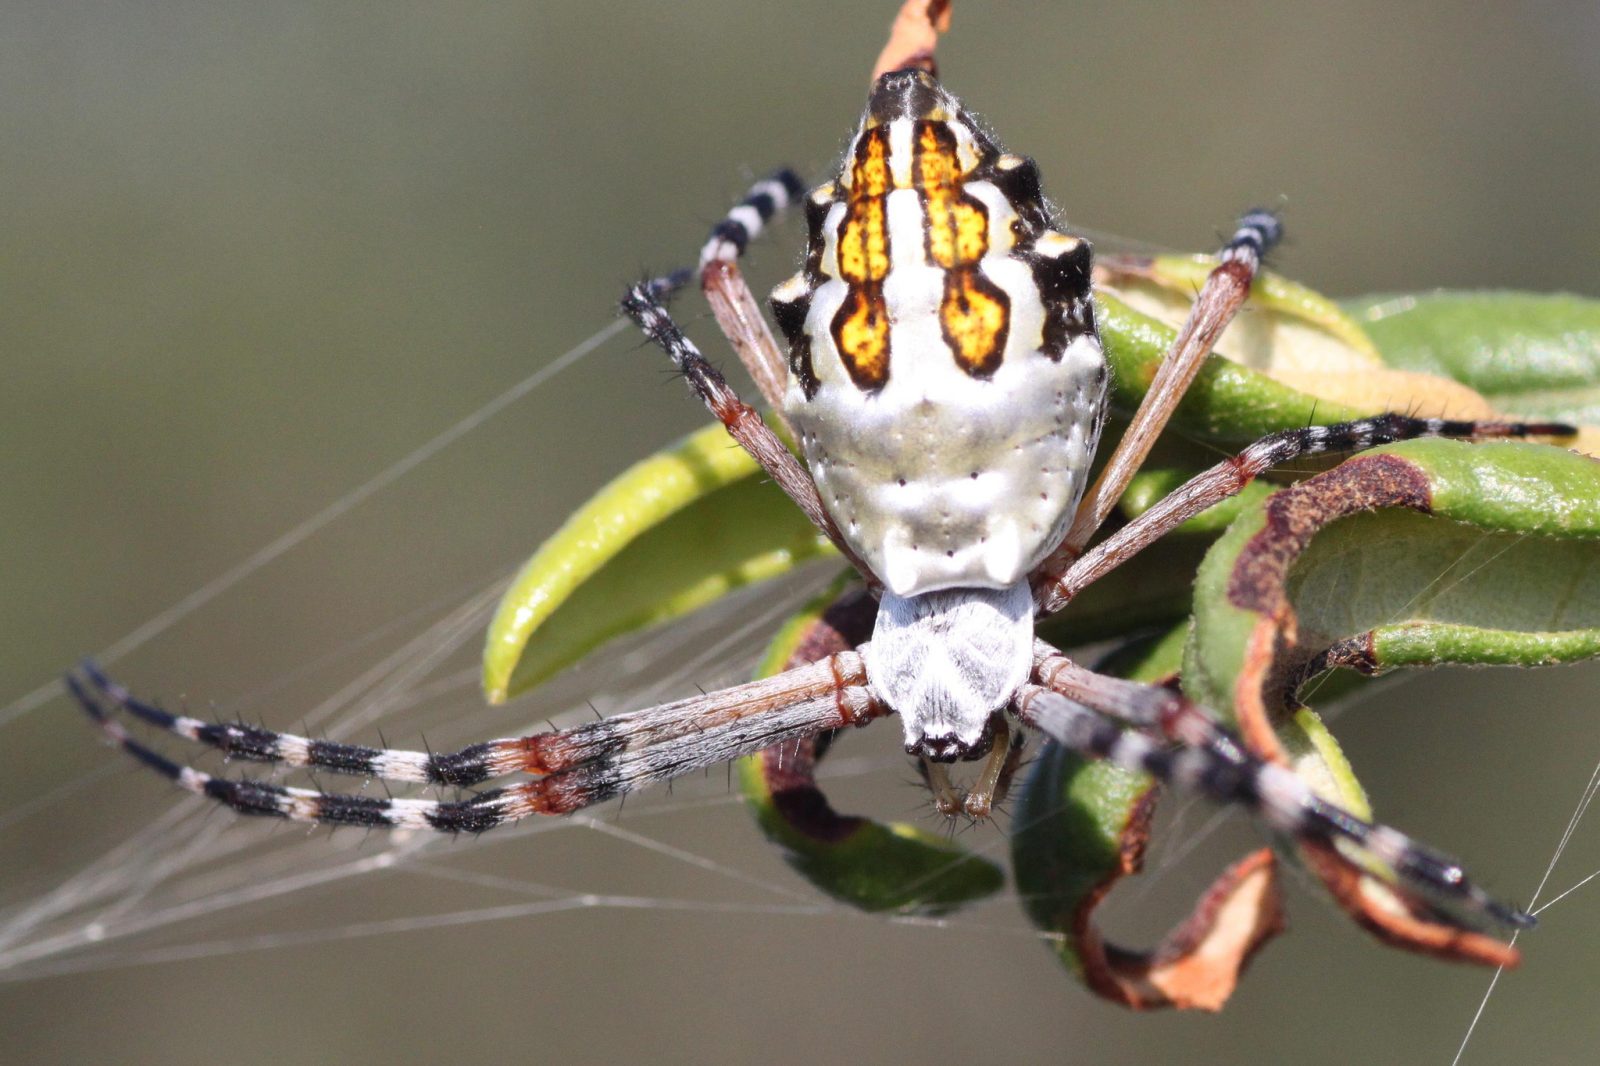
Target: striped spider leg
574,768
1066,574
732,303
1181,743
588,764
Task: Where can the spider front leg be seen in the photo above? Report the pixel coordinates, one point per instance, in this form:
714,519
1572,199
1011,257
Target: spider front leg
578,767
1064,576
1211,761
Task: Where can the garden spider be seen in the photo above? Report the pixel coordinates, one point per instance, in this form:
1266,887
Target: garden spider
946,385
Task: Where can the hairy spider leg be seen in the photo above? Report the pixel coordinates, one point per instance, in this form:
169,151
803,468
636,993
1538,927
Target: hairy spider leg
767,199
687,744
1225,291
540,753
1063,577
743,422
732,303
1224,771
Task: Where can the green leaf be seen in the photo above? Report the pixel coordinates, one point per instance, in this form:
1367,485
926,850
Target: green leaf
1227,402
1528,353
1291,358
1477,554
1073,815
668,536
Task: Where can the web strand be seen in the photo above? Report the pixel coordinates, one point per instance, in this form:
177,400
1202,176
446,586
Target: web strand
203,595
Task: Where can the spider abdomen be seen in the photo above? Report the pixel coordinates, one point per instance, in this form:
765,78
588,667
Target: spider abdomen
946,377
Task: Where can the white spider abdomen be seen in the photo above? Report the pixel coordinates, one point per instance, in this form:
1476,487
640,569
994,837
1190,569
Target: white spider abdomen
946,378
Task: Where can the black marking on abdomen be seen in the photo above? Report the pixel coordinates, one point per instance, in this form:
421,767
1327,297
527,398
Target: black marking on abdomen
1063,283
1021,187
791,318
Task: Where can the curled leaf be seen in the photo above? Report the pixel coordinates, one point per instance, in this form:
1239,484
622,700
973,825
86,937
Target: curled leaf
872,865
1305,577
1082,826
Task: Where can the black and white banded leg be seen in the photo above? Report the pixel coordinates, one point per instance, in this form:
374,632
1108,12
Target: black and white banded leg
732,304
539,753
1229,477
1223,770
767,199
1224,293
743,422
577,768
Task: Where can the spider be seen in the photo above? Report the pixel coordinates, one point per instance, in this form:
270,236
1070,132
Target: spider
945,383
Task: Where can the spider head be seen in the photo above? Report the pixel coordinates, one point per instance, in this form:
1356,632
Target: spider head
953,747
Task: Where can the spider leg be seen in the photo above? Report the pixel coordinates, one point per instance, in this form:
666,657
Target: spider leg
1225,291
1055,586
667,746
1151,708
732,303
743,422
1211,761
540,753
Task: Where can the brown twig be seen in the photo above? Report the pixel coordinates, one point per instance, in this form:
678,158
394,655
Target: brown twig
913,37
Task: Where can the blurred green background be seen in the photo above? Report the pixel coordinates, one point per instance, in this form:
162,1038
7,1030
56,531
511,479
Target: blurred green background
258,252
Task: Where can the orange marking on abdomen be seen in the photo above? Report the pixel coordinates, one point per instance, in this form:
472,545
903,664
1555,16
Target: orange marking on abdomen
869,173
975,317
957,227
861,331
936,163
861,326
864,242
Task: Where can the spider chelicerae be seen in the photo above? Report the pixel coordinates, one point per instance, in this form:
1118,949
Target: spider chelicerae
945,383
